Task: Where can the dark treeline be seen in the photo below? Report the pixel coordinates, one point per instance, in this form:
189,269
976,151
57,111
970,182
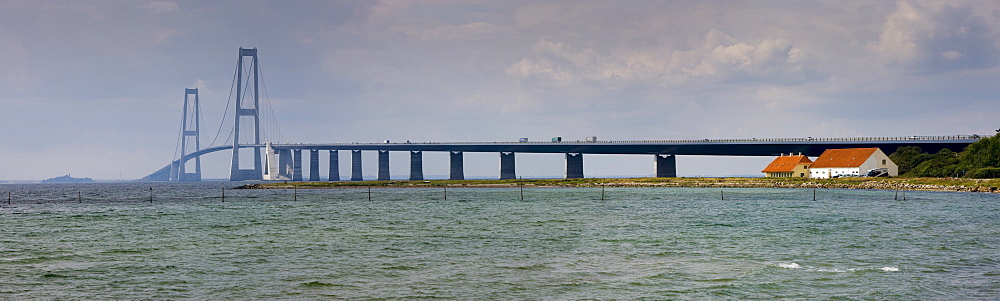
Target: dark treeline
979,160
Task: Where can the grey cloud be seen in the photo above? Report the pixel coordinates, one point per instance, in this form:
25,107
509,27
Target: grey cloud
938,36
456,70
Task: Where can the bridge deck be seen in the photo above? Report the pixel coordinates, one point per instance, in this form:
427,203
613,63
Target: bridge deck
719,147
713,147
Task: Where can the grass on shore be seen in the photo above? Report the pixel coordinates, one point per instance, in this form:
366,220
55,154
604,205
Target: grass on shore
986,184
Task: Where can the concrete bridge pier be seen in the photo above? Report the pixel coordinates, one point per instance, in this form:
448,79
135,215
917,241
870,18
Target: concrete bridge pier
507,166
314,165
334,166
356,166
666,166
574,165
416,165
457,166
297,165
285,168
383,165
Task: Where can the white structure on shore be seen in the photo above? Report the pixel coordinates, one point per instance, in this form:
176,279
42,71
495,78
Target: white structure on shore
788,166
851,162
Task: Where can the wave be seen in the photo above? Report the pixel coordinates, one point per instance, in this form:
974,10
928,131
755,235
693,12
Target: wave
796,266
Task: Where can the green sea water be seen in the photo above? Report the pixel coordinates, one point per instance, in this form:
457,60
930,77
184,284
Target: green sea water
109,241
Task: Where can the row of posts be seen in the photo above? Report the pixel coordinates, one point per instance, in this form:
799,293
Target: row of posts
295,194
290,163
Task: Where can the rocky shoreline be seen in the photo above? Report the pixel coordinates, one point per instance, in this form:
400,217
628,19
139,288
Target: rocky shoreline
862,185
959,185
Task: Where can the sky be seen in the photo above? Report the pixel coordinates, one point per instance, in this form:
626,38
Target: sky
96,88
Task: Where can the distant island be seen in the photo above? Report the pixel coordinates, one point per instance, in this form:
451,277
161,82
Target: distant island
67,179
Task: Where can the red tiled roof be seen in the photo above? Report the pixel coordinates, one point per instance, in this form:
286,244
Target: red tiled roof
786,163
847,157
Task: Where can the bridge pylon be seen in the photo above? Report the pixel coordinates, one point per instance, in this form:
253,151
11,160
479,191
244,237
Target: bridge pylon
247,107
190,128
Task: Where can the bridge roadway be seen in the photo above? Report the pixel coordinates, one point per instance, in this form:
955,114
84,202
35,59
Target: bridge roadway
665,150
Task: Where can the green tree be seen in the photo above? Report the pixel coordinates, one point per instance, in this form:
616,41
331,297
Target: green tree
984,153
981,159
942,164
908,157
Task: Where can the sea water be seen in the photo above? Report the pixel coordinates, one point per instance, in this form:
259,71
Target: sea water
185,241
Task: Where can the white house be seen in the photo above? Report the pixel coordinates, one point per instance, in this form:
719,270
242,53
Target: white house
851,162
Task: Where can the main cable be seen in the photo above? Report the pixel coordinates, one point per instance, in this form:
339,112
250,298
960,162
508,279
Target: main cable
270,107
226,111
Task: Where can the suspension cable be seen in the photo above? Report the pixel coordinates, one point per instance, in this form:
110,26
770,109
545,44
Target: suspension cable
270,107
246,91
180,135
226,111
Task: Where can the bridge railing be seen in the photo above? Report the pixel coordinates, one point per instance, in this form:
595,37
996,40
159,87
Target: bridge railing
740,140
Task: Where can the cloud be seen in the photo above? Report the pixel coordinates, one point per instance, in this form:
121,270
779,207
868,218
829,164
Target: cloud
719,57
936,36
162,7
164,36
951,55
456,32
722,55
494,70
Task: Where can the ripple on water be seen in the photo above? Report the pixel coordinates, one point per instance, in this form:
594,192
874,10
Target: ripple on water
639,243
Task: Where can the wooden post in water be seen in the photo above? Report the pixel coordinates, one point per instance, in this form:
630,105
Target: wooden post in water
723,193
602,192
446,192
223,194
521,186
8,198
814,194
150,194
896,196
79,197
295,193
369,193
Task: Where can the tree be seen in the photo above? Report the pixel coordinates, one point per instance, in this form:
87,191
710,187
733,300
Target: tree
942,164
980,160
908,157
984,153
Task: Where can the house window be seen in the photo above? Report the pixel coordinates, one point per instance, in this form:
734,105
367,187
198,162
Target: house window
883,161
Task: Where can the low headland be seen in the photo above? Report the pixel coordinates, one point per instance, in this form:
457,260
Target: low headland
917,184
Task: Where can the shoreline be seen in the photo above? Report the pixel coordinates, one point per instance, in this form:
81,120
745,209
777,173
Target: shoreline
910,184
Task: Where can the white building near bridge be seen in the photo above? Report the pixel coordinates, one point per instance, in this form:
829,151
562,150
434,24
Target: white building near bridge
851,162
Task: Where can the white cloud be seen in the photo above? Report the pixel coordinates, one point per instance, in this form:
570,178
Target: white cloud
899,37
456,32
164,36
459,70
543,68
719,57
162,7
938,35
16,75
951,55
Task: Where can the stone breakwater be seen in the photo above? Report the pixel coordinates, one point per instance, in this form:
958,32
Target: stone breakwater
678,182
883,185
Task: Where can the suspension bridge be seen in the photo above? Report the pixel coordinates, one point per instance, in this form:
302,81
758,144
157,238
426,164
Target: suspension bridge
284,161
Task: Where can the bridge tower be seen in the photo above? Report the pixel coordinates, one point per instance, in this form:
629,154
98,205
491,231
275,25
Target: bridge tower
190,128
249,108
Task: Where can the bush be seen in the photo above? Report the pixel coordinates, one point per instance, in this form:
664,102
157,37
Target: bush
908,157
982,154
941,165
979,160
984,173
